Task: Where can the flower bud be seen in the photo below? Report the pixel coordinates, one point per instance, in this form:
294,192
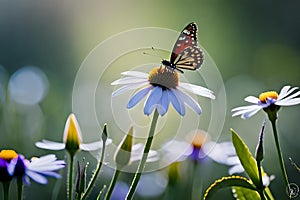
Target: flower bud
123,153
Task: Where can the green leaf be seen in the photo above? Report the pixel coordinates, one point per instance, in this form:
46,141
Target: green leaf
244,194
246,158
228,182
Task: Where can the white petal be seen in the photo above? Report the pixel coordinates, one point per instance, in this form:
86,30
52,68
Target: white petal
250,113
244,109
176,150
290,97
252,99
94,145
289,102
46,144
236,169
285,91
137,153
37,177
198,90
125,88
219,152
128,80
136,74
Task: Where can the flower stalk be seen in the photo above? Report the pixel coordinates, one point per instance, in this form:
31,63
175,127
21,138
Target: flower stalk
142,163
6,185
104,137
279,152
70,177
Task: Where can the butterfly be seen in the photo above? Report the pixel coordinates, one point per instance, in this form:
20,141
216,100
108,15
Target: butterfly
186,53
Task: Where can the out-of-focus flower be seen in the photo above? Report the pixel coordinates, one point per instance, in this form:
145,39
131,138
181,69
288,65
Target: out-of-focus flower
164,88
72,141
269,101
199,147
137,153
6,156
37,169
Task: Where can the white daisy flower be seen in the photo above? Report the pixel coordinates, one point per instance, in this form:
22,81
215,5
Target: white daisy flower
199,148
272,100
163,87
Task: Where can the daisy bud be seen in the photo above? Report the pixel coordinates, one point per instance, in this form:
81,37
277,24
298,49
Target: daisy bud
123,153
104,135
72,135
259,149
81,178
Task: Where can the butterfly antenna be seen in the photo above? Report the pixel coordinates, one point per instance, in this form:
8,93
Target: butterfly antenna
155,53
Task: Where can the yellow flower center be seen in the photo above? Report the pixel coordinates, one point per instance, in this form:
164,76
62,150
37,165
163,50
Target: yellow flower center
8,154
162,76
198,139
268,95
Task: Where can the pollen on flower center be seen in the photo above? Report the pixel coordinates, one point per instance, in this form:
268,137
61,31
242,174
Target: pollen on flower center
198,139
8,154
268,95
161,76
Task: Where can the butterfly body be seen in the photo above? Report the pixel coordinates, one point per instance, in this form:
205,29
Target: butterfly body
186,53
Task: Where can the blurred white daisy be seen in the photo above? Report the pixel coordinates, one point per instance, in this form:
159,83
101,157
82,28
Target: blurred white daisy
271,100
163,87
199,148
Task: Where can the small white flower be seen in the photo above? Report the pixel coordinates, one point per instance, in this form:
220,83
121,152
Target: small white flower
200,148
137,153
164,88
38,168
286,97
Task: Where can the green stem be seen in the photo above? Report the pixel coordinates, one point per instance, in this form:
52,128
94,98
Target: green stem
6,185
70,182
20,188
112,184
93,180
101,192
261,187
196,184
283,171
141,166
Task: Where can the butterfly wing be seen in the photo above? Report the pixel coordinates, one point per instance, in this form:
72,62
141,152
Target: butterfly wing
186,53
191,58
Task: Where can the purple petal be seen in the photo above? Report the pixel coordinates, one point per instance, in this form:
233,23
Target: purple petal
137,97
153,100
189,101
164,103
176,102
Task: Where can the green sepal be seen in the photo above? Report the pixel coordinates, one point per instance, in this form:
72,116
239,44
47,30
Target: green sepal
246,158
229,181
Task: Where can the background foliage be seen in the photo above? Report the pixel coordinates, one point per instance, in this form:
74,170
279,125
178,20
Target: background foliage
255,44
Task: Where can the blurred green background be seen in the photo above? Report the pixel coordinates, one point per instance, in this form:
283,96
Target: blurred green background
255,44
